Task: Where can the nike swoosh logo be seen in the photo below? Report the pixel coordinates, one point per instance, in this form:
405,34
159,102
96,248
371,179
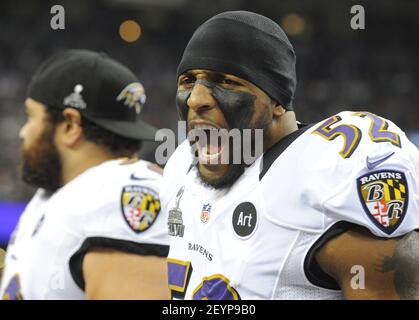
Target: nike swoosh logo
134,177
372,164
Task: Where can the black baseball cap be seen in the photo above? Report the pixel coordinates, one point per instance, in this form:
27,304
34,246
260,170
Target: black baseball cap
100,88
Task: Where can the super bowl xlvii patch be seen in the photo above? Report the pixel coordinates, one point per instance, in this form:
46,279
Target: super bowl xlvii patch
384,196
175,221
140,207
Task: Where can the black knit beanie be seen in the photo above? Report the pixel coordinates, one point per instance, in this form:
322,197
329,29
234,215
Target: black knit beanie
249,46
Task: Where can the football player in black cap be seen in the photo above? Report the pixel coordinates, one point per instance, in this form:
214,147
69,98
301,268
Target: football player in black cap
94,228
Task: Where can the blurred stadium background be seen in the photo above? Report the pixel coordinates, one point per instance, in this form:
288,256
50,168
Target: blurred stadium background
376,69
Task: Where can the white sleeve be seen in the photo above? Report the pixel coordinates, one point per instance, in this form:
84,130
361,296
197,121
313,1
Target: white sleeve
129,219
385,198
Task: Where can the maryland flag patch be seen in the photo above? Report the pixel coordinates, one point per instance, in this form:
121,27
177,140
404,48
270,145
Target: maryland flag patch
140,207
384,196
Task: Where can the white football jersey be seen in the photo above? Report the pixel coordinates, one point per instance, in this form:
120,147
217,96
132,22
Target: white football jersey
114,205
258,239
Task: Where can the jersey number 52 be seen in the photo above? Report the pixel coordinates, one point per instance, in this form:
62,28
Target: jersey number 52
214,287
352,135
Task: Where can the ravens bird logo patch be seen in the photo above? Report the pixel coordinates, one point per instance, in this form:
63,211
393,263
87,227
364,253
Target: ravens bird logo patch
133,96
140,207
384,197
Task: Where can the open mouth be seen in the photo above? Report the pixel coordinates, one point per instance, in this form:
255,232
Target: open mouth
211,142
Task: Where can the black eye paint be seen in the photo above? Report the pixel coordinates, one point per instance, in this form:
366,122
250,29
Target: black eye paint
237,106
182,97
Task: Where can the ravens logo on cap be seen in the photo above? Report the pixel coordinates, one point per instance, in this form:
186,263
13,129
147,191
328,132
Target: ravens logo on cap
133,96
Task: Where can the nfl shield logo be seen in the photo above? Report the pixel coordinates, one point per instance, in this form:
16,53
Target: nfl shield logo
205,213
384,197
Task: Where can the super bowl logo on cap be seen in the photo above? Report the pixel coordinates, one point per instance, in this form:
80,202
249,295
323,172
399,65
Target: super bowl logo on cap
205,213
75,99
384,197
133,96
140,207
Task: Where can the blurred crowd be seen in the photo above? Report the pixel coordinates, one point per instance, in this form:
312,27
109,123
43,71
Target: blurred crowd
376,69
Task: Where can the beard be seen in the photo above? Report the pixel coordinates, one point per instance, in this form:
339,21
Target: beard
41,163
236,170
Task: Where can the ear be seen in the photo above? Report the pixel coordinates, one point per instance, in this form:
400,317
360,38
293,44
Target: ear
278,110
70,131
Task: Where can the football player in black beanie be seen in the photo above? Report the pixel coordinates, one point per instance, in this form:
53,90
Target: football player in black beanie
310,217
244,51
